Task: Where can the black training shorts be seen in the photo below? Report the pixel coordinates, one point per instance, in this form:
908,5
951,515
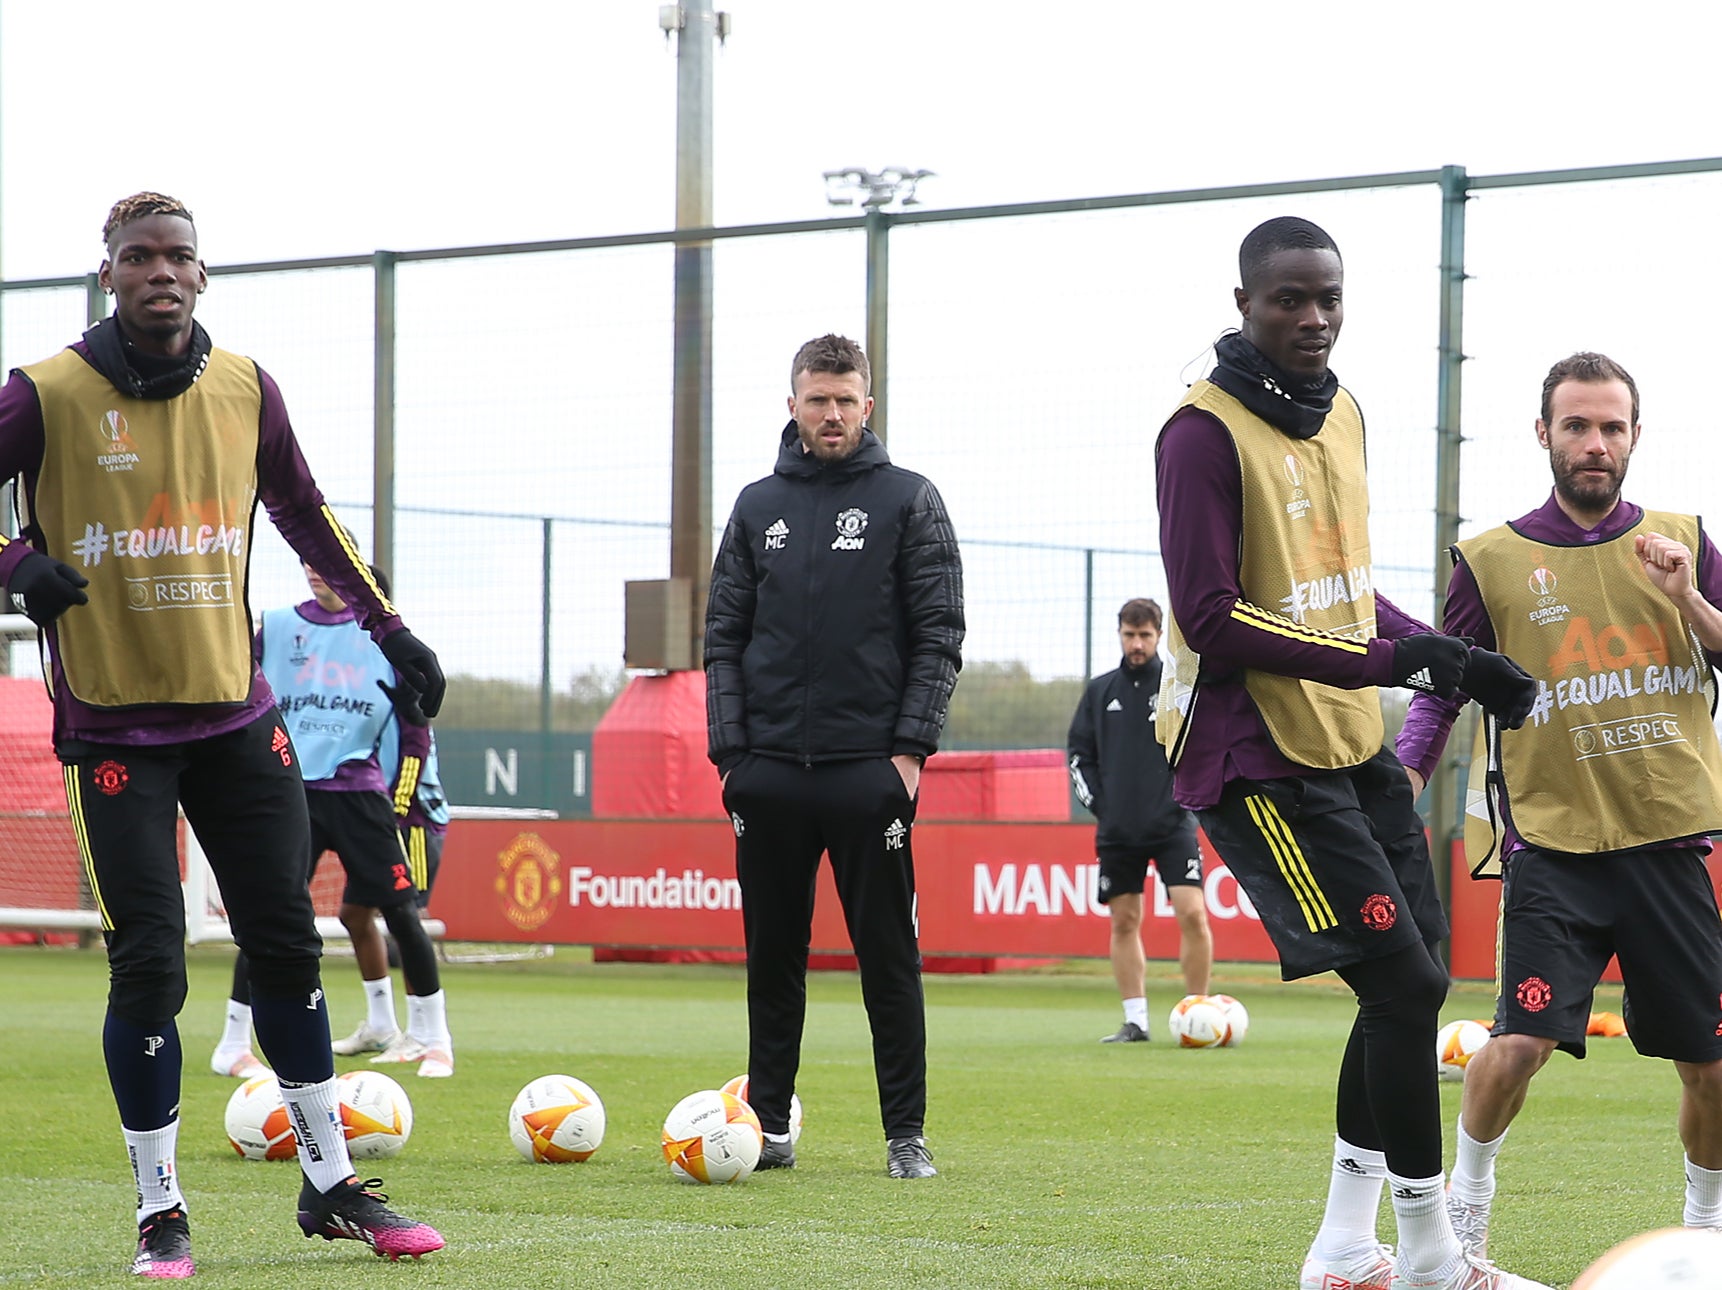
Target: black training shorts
1177,857
1563,916
360,829
1335,863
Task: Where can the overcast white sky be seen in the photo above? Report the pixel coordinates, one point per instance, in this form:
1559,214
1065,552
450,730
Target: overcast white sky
1031,363
326,128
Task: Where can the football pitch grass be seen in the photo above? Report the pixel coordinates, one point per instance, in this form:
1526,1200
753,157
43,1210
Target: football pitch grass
1063,1162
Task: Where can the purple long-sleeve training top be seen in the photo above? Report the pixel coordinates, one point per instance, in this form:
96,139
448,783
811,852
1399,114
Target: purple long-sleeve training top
294,503
1201,498
1430,720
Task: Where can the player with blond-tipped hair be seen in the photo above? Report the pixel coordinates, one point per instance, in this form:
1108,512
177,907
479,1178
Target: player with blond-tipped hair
143,451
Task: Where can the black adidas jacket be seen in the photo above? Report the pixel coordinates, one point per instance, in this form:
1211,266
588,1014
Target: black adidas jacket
1117,765
834,628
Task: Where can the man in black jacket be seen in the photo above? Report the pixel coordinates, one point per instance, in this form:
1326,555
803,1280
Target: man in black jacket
1120,774
833,638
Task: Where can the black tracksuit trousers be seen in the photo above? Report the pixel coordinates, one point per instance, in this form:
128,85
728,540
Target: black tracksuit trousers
785,816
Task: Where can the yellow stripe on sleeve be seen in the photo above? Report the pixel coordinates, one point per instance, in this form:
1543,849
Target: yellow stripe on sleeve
358,561
1260,619
1292,865
418,859
75,804
407,784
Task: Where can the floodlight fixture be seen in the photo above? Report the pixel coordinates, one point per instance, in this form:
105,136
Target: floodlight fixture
874,189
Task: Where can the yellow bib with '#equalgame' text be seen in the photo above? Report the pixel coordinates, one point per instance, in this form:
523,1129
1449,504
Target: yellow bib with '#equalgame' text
1304,555
152,501
1619,751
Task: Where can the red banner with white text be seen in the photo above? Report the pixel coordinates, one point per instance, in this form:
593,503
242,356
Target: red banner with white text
982,889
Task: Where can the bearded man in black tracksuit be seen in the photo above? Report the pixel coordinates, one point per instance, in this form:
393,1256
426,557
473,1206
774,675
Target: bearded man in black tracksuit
833,638
1120,773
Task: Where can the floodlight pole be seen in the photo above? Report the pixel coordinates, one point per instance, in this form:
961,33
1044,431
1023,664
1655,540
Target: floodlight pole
695,24
874,191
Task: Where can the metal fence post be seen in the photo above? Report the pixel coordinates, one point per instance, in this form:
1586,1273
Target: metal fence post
95,299
878,313
1088,614
383,417
546,687
1445,797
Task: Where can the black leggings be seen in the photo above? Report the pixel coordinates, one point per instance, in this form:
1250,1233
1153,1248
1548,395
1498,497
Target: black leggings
1388,1097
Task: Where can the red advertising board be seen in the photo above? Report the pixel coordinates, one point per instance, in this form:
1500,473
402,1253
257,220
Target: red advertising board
983,889
989,889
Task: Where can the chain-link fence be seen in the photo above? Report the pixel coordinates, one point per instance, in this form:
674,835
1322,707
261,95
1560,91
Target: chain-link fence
1034,353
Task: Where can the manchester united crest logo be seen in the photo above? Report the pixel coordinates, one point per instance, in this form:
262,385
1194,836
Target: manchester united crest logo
1534,994
110,778
1379,913
851,524
527,881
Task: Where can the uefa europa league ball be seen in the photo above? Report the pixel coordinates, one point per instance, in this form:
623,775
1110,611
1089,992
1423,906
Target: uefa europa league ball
376,1115
1456,1044
737,1087
1237,1019
1670,1258
1199,1022
258,1126
556,1119
712,1137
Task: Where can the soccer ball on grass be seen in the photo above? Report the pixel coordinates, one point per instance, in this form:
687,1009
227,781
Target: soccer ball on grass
712,1137
1237,1019
1199,1021
737,1087
376,1116
1456,1044
1689,1258
258,1126
556,1119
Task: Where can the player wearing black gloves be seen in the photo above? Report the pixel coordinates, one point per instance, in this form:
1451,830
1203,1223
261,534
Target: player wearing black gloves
141,448
1277,640
46,588
1441,665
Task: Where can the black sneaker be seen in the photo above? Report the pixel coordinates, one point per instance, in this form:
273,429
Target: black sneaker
164,1247
909,1158
355,1211
1128,1033
776,1155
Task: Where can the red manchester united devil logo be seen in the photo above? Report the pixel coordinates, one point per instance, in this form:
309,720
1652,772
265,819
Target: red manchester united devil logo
110,777
1380,913
1534,994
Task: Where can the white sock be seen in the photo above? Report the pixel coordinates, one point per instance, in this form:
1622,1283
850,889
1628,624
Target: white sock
1703,1196
151,1153
1474,1167
427,1020
1137,1010
316,1117
778,1137
1353,1200
1426,1241
380,1006
236,1033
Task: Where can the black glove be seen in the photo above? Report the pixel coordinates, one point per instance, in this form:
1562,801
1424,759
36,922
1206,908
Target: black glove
405,701
1432,663
47,587
1504,689
417,666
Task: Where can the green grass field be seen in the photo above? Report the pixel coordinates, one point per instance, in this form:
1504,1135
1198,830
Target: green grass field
1063,1162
